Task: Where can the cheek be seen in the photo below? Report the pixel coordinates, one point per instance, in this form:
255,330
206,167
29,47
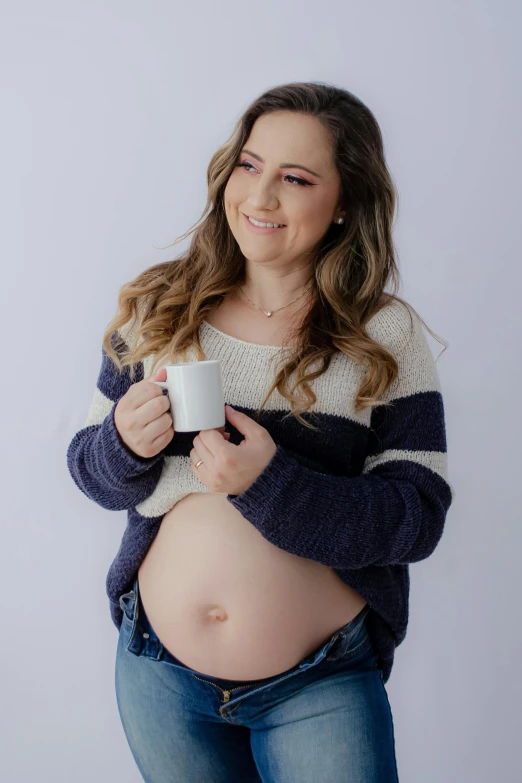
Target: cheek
229,204
309,224
232,193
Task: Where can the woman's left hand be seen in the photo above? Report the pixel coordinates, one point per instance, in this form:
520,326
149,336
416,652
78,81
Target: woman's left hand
230,469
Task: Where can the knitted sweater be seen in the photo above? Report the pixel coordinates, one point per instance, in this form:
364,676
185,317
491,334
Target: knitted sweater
365,493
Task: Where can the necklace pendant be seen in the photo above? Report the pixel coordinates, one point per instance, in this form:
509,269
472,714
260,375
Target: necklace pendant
266,312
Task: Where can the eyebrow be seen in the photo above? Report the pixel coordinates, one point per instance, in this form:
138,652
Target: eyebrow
284,165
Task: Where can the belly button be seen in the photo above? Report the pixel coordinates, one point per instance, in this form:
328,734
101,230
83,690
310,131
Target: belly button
217,613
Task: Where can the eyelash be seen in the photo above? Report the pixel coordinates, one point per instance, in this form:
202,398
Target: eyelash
298,180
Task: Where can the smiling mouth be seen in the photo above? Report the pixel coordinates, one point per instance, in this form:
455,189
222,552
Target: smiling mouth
282,225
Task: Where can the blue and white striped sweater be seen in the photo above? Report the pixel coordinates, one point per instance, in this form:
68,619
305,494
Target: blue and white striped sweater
365,493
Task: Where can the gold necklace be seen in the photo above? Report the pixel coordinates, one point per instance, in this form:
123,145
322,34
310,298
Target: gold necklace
269,312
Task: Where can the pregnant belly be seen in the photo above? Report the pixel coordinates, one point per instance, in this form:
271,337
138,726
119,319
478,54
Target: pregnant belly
228,603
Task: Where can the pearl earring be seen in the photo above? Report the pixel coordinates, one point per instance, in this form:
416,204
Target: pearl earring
340,220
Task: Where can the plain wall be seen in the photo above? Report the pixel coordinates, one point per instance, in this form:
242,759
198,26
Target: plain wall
110,114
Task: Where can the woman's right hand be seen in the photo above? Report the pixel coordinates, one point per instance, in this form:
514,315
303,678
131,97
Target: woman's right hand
141,417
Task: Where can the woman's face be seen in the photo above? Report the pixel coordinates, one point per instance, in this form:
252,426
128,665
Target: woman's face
303,201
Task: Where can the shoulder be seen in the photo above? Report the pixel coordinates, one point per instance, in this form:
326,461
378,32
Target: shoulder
401,331
394,326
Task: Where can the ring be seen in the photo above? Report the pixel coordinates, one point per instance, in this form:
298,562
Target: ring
198,463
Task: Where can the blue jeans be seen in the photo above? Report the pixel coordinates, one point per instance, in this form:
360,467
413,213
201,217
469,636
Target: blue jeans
326,719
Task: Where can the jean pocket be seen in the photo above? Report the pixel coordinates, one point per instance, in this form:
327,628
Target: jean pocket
127,603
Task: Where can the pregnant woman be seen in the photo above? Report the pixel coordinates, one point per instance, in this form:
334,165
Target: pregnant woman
261,585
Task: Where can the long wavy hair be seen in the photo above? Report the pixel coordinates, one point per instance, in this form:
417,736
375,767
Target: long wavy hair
354,262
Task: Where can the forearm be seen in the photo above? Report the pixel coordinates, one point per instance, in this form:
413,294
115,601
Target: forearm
395,516
105,470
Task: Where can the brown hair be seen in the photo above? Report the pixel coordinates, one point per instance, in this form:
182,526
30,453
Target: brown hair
353,264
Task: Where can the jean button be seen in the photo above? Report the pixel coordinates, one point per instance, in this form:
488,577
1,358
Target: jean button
145,635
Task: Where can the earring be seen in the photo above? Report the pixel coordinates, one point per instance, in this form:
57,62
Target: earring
340,220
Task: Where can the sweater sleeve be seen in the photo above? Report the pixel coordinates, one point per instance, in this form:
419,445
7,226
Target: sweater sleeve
100,464
394,511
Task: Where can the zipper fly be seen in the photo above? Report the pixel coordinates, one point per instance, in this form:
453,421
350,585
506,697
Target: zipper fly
227,693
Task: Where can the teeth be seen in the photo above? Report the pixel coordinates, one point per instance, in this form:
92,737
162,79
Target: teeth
265,225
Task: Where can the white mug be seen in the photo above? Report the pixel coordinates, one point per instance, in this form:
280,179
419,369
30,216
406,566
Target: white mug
195,391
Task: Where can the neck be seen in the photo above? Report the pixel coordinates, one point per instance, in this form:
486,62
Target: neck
273,294
292,303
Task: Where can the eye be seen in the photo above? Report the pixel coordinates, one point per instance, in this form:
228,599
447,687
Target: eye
296,180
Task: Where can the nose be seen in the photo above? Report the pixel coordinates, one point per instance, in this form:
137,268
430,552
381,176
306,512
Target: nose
262,196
